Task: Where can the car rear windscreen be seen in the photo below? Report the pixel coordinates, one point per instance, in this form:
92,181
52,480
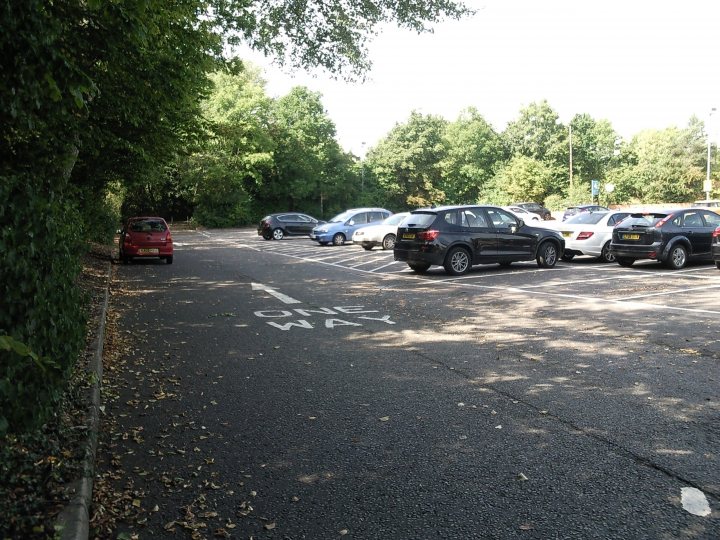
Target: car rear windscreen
642,220
419,220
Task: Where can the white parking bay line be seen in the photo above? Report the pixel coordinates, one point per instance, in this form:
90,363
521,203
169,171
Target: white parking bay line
675,291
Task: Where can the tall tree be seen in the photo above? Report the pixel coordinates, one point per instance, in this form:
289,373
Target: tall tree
473,149
663,166
538,134
306,143
520,179
406,163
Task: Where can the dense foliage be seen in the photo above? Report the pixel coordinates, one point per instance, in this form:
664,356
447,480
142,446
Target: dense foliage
101,110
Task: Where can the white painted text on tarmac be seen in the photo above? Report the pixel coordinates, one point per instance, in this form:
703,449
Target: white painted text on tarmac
357,314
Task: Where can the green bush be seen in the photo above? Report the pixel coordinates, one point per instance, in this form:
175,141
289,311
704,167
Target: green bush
41,313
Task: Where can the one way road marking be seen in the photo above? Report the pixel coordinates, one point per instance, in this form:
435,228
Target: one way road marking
280,296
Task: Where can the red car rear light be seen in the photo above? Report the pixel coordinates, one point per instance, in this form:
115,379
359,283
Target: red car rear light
428,236
716,233
584,235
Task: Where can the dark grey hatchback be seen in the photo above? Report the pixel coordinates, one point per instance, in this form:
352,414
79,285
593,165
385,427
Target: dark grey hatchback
457,237
672,237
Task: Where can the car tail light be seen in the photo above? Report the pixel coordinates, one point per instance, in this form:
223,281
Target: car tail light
585,235
428,236
716,233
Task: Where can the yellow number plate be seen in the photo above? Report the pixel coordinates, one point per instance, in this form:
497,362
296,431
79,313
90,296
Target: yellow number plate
631,237
408,236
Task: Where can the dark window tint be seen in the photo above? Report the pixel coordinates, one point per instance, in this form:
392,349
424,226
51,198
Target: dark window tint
419,220
617,218
711,218
303,217
474,219
501,218
645,220
376,216
288,217
692,219
453,218
148,226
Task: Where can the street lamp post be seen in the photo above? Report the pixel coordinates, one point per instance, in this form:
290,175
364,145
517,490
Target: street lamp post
362,170
570,141
708,183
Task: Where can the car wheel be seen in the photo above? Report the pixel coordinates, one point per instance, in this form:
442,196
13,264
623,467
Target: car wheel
267,236
388,242
605,254
457,262
169,259
367,247
278,234
547,255
338,239
419,268
623,261
567,257
677,258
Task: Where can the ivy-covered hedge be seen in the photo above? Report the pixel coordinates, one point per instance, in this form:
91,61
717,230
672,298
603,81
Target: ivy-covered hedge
41,316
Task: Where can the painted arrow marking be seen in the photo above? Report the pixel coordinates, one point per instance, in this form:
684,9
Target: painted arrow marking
280,296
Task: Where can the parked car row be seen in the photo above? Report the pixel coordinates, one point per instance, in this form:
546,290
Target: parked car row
458,237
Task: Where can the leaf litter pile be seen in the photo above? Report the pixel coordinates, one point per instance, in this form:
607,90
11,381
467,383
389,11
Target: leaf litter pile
154,474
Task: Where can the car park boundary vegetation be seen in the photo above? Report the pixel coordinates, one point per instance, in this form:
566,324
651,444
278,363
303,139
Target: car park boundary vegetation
116,108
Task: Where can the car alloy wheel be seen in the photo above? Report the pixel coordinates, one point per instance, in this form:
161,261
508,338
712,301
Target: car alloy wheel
389,241
605,254
278,234
677,258
457,262
338,239
547,255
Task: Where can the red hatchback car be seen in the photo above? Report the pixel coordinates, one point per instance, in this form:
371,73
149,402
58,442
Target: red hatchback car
146,237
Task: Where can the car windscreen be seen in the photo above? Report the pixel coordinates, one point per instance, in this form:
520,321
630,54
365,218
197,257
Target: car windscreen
395,219
642,220
342,218
587,218
419,220
148,225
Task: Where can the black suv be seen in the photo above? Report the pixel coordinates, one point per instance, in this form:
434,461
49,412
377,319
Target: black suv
672,237
458,237
535,208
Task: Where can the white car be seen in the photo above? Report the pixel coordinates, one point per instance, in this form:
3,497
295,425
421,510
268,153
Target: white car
590,233
527,217
382,234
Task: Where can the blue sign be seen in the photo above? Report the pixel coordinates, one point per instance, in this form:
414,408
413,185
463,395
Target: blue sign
595,187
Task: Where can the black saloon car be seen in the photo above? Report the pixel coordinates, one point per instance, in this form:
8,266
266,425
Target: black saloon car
457,237
571,211
535,208
278,226
672,237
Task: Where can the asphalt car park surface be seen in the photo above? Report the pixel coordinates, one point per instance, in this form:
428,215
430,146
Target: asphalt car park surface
340,394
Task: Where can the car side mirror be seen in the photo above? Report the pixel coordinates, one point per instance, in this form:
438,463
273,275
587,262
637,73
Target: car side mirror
514,228
351,222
